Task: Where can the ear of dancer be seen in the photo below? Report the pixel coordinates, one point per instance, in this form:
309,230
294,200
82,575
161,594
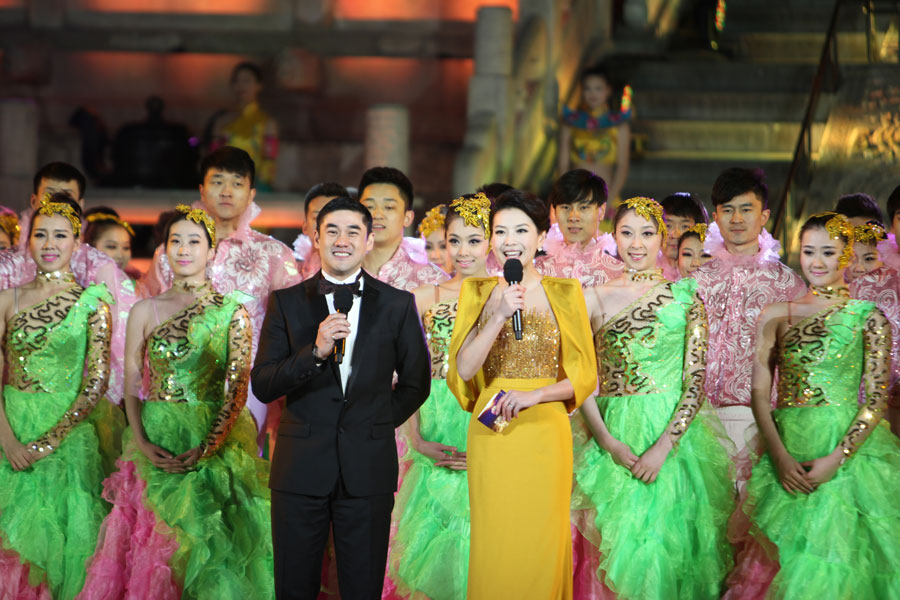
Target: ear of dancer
51,245
467,250
188,251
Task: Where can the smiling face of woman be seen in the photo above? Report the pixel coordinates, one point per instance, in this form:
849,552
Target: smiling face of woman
820,258
52,242
515,235
188,249
466,247
638,241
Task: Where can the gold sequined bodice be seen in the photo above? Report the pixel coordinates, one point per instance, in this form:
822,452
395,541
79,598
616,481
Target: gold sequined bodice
535,356
438,322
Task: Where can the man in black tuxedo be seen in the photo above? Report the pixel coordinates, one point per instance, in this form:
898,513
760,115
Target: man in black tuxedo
335,464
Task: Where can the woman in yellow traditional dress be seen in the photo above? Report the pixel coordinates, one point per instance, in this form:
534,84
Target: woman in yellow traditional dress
520,479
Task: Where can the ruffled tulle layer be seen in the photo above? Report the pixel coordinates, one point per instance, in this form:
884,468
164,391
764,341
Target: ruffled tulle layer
840,541
430,550
206,532
51,512
666,539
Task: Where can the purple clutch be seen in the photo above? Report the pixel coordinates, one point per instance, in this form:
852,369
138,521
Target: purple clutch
489,419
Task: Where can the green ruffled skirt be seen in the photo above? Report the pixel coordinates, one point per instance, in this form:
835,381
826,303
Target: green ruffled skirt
50,513
430,551
666,539
843,540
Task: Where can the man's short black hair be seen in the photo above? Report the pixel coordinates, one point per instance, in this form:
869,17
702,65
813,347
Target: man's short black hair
345,203
859,205
685,205
231,160
893,205
390,175
579,185
60,171
736,181
327,189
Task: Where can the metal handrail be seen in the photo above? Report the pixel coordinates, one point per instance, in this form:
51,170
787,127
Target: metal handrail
828,68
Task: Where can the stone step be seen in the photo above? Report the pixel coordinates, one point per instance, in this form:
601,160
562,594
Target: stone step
724,106
797,48
720,76
732,139
789,16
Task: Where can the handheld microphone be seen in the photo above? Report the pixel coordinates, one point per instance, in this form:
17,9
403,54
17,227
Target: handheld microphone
512,273
343,302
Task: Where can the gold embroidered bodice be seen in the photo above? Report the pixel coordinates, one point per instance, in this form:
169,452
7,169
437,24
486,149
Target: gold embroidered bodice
657,345
202,354
60,346
535,356
438,322
823,357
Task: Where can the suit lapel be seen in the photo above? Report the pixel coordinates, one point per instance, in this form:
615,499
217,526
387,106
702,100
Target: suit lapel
368,311
318,312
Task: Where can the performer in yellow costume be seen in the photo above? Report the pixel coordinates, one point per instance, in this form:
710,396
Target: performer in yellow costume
520,479
250,128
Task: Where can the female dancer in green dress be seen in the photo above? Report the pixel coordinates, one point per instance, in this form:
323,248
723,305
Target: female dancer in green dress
56,346
653,486
430,550
191,506
821,517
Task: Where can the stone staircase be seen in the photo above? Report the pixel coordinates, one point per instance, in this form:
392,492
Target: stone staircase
701,111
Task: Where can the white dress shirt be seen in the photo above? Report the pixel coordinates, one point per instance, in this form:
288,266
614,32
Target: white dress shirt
353,316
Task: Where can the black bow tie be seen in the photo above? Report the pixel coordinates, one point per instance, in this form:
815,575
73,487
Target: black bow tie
326,287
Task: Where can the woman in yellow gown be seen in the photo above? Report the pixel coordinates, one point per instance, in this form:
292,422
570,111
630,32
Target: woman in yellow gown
520,479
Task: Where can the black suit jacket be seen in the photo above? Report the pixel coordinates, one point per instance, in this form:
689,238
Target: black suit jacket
325,432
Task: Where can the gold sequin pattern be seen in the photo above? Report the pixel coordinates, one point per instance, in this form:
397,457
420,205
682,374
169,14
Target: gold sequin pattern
535,356
27,332
237,380
800,351
438,323
876,344
94,382
168,344
694,373
620,374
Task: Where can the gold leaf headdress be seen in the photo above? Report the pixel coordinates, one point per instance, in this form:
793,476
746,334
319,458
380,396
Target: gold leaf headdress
649,209
838,228
200,217
870,233
9,222
112,219
48,209
434,220
700,229
475,211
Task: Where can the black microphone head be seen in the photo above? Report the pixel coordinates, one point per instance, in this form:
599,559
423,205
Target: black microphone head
512,271
343,300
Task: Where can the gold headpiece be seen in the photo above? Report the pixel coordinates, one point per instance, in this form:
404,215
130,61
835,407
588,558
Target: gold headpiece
870,233
112,219
434,220
475,211
48,209
700,229
649,209
838,227
9,222
200,217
